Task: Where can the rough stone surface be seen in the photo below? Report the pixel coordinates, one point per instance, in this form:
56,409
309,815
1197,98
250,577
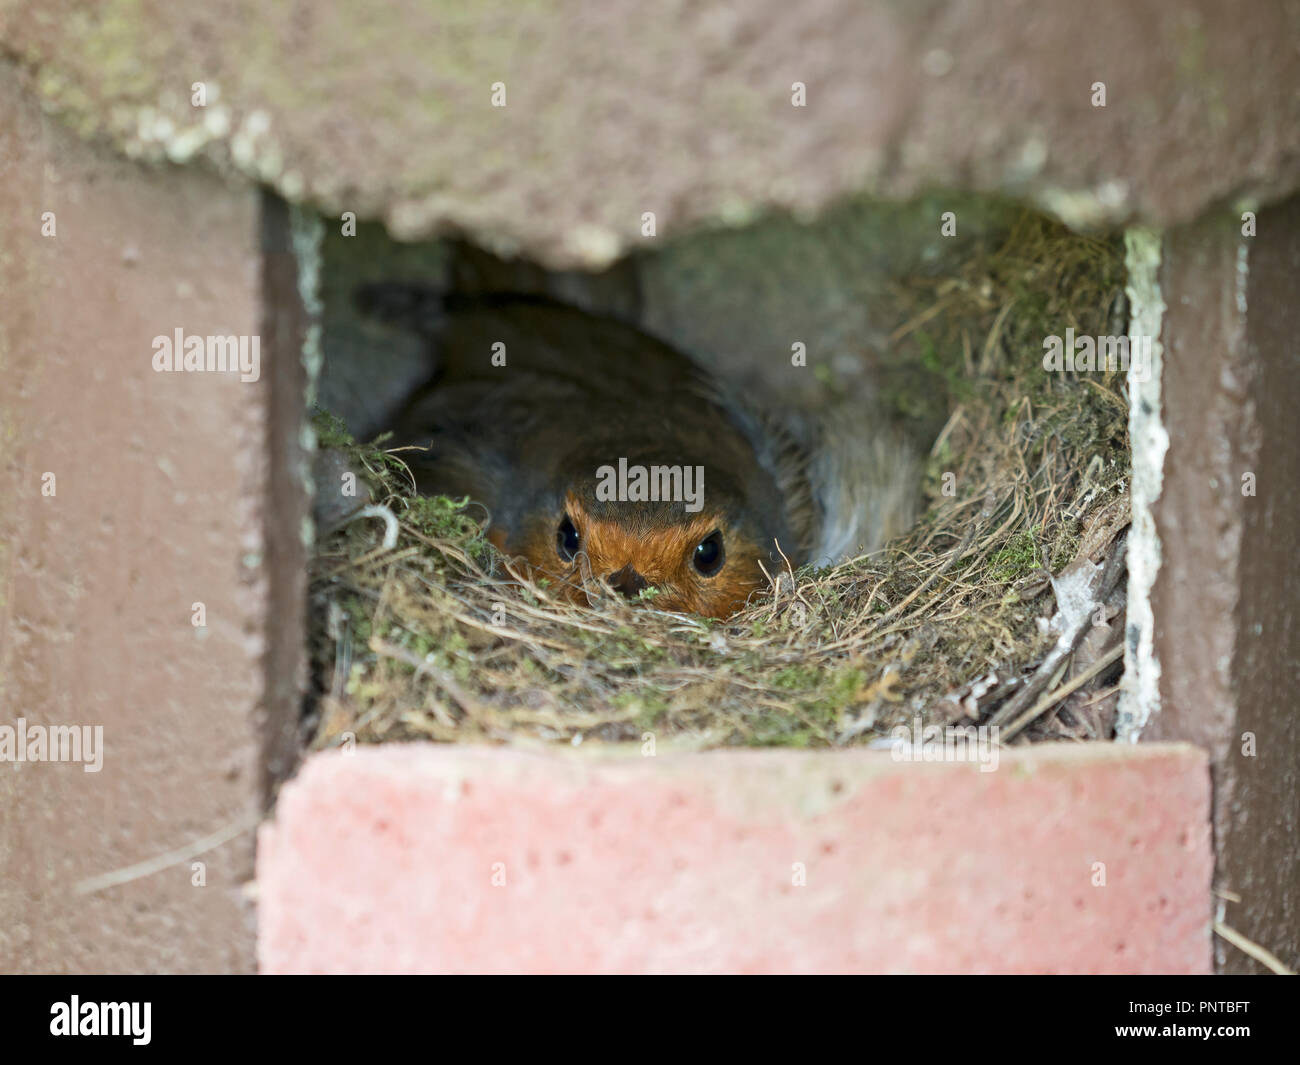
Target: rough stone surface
387,110
384,860
1225,599
159,486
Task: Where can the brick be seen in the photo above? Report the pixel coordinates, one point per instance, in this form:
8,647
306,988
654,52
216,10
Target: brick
688,114
161,501
1227,587
382,860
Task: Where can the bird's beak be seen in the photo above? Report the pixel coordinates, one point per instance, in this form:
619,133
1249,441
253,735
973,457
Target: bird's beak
628,581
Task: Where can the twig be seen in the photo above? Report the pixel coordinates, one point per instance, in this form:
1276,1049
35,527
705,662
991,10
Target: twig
173,857
1254,950
1060,693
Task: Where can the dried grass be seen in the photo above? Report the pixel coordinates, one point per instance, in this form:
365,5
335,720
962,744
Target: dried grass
439,638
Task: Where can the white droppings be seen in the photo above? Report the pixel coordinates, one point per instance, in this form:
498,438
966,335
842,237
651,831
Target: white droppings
596,246
162,129
1030,160
1140,691
182,147
1088,208
1076,597
937,62
307,235
256,124
1243,275
216,120
293,185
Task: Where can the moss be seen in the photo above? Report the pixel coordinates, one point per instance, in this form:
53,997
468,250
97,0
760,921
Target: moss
1065,546
648,706
795,677
441,517
1018,558
330,431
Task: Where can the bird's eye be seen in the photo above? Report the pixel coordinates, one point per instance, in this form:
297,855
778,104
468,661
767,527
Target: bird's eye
567,540
709,556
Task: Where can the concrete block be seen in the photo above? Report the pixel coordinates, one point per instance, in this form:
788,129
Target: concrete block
420,858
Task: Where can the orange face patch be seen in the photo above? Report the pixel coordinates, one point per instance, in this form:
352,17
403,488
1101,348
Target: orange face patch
662,558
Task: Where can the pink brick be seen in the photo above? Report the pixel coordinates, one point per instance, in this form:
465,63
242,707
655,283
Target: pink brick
383,861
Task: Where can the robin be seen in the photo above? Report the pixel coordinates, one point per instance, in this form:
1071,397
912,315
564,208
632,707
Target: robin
600,452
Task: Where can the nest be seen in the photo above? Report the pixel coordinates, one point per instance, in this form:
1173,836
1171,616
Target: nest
1003,605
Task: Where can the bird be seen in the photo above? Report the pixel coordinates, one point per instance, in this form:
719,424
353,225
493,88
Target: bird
603,455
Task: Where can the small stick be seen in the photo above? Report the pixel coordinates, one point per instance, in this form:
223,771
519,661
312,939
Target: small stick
1052,698
1254,950
157,864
